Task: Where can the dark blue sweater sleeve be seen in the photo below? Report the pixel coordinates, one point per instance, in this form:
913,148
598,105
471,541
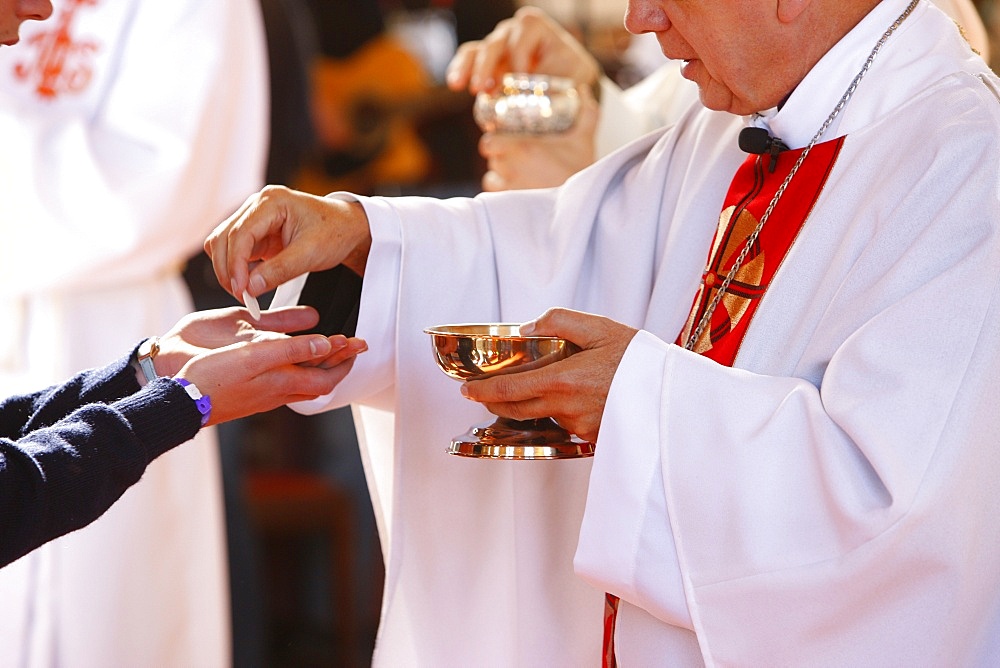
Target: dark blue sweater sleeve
69,452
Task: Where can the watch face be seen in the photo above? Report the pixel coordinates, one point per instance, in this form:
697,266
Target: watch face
145,354
149,347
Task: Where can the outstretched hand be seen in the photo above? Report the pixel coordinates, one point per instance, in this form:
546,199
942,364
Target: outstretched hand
279,234
256,376
572,391
247,367
203,331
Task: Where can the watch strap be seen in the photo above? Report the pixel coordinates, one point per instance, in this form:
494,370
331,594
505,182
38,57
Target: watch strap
147,350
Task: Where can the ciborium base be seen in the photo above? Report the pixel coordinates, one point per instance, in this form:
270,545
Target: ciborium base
520,439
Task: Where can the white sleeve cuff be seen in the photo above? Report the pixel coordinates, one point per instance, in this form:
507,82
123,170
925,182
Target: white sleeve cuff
626,543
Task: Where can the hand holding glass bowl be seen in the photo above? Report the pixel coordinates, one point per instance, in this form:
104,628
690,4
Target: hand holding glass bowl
471,351
528,104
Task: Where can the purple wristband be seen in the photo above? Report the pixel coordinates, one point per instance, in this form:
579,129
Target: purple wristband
201,401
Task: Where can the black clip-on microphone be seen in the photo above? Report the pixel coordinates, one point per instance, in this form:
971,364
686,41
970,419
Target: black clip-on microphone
759,142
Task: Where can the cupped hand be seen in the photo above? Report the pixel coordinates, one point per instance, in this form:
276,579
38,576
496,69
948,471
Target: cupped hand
530,41
516,161
255,376
279,234
573,391
203,331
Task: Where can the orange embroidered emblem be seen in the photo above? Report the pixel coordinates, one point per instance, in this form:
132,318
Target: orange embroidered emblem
62,63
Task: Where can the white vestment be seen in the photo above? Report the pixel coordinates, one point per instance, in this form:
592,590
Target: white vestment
125,140
832,499
656,101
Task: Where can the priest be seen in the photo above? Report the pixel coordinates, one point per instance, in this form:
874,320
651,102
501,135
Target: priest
789,314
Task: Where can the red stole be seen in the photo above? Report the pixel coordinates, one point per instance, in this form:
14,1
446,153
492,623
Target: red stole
749,195
751,192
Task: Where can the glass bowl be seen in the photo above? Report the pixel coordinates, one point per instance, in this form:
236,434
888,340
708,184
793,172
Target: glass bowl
528,104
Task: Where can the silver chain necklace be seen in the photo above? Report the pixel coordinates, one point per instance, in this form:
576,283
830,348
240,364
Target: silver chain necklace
752,239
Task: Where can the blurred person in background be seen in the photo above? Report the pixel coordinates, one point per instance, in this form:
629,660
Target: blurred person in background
533,41
130,127
383,120
362,81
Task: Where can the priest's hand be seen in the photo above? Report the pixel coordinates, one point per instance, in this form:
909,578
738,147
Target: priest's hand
279,234
530,41
573,391
517,161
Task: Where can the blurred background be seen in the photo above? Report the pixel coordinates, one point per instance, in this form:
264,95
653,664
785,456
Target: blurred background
358,103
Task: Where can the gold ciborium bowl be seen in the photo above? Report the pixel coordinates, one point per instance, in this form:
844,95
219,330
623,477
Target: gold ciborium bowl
472,351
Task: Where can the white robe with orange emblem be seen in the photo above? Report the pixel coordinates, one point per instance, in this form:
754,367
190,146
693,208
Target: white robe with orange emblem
130,127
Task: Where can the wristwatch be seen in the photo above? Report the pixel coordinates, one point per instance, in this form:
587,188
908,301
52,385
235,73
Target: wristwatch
145,354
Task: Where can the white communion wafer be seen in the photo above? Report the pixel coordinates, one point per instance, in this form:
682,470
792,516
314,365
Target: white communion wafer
252,305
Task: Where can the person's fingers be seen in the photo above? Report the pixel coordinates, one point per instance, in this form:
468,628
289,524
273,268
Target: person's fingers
295,382
460,68
493,182
574,390
584,329
492,144
275,387
513,45
587,118
533,162
290,382
216,245
505,390
489,61
283,267
564,323
337,372
262,355
288,319
269,224
269,371
340,349
247,239
343,349
496,149
528,42
485,145
242,362
564,391
544,45
309,233
529,408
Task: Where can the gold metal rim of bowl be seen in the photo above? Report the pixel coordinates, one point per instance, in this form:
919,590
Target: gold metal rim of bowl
483,330
476,449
